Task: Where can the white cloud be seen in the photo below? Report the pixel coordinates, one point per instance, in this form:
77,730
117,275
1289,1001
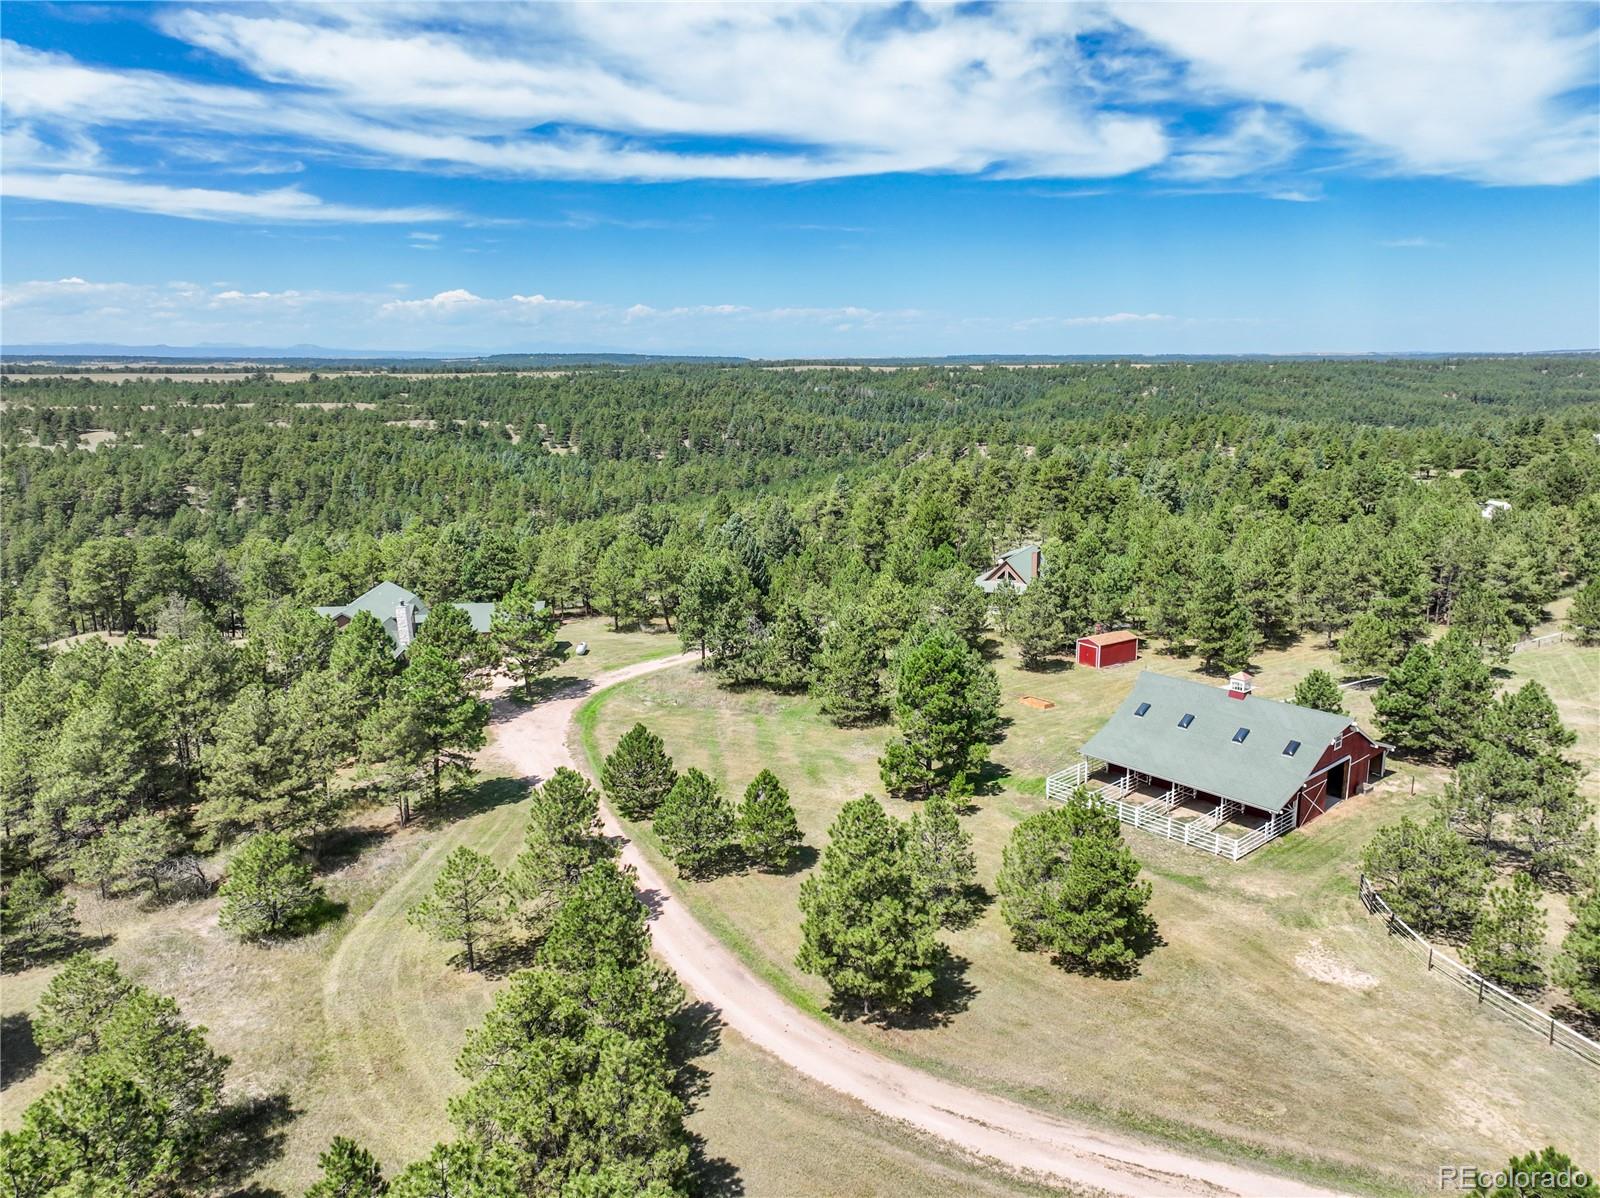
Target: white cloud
419,236
283,205
1498,93
1411,243
1114,318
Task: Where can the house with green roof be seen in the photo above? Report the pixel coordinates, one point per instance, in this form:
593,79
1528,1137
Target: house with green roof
1219,768
1017,568
401,612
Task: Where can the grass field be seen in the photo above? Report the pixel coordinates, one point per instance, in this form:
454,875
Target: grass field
356,1027
1276,1020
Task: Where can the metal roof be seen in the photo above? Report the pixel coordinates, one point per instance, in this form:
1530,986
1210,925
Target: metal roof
1109,638
1204,754
382,600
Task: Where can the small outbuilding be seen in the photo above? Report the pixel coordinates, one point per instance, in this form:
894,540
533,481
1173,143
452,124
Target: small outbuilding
1494,508
1104,649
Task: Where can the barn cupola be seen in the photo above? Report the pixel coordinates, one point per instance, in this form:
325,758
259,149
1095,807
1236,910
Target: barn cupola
1240,685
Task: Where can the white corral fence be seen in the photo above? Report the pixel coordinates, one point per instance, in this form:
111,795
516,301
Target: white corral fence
1546,1026
1154,815
1538,642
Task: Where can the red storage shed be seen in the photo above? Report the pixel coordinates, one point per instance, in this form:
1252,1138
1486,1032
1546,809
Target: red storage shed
1107,649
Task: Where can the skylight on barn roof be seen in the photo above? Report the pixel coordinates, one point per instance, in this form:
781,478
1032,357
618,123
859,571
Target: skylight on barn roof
1188,718
1290,749
1238,737
1141,709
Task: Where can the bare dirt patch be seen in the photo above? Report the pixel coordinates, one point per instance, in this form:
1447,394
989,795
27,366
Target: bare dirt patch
1320,965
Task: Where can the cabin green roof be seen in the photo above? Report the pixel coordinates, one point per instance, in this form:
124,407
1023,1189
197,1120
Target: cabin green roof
1255,771
1021,559
382,601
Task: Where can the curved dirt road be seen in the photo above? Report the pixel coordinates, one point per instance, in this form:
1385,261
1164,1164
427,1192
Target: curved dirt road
535,742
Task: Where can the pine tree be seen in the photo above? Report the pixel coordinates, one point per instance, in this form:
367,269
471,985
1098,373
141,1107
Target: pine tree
348,1171
1069,886
427,728
1466,689
695,825
1543,1174
793,644
1507,944
268,889
1318,691
562,841
36,919
524,632
1577,965
768,832
947,703
1583,617
1369,645
1406,705
363,659
448,631
943,865
849,685
74,1008
1428,874
467,905
1038,626
257,775
462,1169
866,930
601,926
1215,622
638,774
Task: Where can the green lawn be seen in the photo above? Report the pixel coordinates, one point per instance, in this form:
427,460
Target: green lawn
1276,1020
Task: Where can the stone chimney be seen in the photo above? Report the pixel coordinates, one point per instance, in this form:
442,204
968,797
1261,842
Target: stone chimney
1240,685
405,624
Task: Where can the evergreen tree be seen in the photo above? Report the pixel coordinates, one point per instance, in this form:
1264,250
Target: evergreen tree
562,841
601,926
943,865
448,631
1369,645
1507,944
866,930
1069,886
947,703
793,644
268,889
768,832
1543,1174
695,825
363,659
638,774
1466,689
1318,691
427,728
467,905
849,685
1577,965
1583,617
1406,705
348,1171
256,773
74,1008
715,591
462,1169
1428,874
36,919
525,635
1215,622
1038,626
1484,619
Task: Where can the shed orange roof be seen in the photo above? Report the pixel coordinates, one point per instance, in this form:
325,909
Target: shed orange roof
1110,638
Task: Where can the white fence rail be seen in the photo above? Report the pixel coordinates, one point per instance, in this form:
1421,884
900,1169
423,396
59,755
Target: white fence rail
1153,814
1538,642
1547,1027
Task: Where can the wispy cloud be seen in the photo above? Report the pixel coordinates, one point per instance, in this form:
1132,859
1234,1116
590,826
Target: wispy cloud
283,205
1411,243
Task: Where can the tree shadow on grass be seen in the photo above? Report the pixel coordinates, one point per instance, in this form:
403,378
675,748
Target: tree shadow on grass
343,846
1050,665
316,917
952,994
1143,944
19,1053
697,1032
251,1135
465,801
71,946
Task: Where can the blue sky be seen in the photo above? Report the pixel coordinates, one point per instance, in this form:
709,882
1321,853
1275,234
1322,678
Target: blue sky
803,181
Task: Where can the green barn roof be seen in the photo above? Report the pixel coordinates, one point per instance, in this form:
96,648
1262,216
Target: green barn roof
1208,754
383,600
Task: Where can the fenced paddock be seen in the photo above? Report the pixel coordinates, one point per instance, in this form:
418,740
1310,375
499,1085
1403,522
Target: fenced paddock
1547,1027
1539,642
1175,812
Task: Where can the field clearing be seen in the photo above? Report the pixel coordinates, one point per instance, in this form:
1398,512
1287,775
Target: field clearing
356,1027
1277,1021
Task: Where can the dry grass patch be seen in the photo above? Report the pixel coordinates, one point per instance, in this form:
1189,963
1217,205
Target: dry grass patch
1225,1038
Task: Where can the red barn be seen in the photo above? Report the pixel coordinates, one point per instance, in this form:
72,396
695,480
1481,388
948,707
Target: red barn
1220,770
1107,649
